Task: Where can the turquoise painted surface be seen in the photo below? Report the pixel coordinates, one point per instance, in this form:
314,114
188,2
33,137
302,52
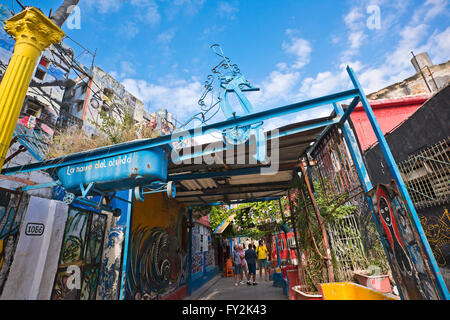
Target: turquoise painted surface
117,173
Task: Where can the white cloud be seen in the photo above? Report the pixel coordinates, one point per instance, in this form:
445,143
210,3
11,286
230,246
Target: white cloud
126,70
430,10
299,47
104,6
438,46
278,86
227,10
166,37
152,16
187,7
355,23
179,97
128,29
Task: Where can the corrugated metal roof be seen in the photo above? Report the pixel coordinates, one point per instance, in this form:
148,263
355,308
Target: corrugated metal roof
228,181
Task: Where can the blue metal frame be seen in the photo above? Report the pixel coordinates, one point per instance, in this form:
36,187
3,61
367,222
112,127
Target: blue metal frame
138,145
443,291
357,94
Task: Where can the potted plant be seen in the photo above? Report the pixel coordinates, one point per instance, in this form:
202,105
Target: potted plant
372,279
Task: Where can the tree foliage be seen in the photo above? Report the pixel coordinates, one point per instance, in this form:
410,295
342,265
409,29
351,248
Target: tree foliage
252,219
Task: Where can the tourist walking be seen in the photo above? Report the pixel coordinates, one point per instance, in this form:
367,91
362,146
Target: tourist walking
237,263
263,260
250,257
244,263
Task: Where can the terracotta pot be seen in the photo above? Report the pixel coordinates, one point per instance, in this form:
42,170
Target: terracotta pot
379,282
301,293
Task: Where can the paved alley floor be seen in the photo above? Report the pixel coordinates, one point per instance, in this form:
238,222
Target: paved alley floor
221,288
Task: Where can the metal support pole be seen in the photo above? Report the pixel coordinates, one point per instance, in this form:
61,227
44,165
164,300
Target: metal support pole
189,279
278,249
443,291
300,265
326,245
33,32
125,246
285,234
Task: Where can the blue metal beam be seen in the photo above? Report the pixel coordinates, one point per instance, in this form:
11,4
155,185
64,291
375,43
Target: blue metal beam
350,109
38,186
443,291
125,247
217,174
134,146
274,135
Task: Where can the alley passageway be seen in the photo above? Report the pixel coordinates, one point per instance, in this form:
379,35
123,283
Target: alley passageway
221,288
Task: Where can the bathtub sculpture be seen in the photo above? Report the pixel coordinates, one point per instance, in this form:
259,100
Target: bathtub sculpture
145,171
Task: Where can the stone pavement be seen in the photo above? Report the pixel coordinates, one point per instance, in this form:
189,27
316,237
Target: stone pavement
220,288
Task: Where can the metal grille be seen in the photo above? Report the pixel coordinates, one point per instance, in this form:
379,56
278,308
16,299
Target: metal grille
427,175
335,169
347,247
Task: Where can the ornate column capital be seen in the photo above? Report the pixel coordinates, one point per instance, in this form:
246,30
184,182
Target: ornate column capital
31,26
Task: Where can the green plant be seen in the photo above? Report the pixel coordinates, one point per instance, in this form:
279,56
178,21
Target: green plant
252,219
310,232
111,130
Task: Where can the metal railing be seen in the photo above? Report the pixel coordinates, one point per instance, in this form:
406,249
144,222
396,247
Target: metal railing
427,175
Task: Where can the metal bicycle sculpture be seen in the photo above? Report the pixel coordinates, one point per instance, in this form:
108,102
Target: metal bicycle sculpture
230,80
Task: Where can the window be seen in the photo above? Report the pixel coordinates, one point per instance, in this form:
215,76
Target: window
44,62
40,74
33,109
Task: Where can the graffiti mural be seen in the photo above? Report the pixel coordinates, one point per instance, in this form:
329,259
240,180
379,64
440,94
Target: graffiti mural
408,261
437,230
12,208
80,257
197,262
157,257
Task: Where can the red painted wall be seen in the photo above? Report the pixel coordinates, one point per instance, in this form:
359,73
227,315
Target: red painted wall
282,247
389,113
179,294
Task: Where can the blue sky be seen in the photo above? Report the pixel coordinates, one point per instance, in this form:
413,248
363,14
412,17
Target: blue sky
292,50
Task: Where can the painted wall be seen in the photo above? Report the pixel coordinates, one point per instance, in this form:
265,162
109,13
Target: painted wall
83,235
158,248
389,113
203,254
36,256
80,257
109,281
12,208
426,127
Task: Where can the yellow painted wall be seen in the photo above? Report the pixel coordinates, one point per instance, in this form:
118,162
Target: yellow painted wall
159,246
156,210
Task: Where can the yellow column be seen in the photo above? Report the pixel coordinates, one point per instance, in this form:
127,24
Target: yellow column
34,33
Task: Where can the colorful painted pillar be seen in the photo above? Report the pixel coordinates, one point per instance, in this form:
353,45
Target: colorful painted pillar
34,33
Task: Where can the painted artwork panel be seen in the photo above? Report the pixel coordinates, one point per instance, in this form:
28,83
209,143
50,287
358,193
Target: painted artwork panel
409,264
158,248
81,256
